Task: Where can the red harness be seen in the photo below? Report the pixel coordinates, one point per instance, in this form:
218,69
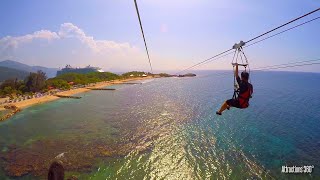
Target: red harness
244,97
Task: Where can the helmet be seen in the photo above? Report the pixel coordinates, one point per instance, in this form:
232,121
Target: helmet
245,75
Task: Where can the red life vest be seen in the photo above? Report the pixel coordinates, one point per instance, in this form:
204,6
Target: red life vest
244,97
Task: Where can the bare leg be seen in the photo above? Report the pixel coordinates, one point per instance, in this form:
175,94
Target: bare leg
56,171
223,107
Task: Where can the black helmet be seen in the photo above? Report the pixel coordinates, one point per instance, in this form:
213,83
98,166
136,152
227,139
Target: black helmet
245,75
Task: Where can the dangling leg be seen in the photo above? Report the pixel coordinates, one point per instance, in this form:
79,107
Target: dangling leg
223,107
56,171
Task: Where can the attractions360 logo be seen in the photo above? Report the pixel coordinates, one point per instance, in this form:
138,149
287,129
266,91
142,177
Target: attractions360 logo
297,169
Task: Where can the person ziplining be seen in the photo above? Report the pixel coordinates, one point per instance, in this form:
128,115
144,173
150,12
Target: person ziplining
243,89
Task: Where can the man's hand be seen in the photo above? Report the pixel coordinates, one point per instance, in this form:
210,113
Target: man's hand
236,70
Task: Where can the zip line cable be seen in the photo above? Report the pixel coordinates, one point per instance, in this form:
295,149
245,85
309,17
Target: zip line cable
282,31
144,39
205,60
277,66
282,67
283,25
216,56
271,66
290,66
246,46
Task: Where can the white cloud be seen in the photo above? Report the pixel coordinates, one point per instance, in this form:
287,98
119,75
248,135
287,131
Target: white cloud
70,45
13,42
8,43
69,30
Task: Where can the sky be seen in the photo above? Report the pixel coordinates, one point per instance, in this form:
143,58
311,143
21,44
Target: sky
179,33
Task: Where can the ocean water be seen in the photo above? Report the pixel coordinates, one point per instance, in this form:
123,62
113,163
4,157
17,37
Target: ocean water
166,128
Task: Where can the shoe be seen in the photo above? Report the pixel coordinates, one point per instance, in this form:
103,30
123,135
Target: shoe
218,113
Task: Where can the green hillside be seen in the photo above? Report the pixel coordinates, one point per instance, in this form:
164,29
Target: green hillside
9,73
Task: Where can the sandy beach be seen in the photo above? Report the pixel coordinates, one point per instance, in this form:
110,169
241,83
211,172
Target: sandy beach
48,98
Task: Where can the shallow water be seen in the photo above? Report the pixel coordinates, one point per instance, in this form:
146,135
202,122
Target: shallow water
167,129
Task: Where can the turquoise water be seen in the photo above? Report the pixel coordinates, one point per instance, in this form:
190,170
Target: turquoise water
167,129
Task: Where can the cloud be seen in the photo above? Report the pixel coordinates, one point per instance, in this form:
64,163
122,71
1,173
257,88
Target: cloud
70,45
68,30
8,43
13,42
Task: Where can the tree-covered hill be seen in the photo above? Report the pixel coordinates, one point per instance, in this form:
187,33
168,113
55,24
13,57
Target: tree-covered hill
9,73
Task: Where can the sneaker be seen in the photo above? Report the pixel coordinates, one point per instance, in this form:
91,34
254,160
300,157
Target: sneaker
218,113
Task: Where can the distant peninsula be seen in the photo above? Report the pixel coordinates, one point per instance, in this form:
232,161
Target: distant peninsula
180,75
188,75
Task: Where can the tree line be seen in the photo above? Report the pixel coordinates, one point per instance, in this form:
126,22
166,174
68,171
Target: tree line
38,82
34,82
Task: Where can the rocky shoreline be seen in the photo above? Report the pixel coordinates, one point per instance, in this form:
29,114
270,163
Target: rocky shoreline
12,111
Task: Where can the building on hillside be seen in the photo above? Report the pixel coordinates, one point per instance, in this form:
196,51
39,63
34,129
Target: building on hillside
85,70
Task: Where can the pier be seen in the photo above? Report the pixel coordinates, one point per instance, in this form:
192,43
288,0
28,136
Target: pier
102,89
126,83
72,97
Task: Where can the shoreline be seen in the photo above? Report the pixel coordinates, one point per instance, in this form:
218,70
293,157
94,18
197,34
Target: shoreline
48,98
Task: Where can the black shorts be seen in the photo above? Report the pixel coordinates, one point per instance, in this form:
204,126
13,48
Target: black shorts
233,103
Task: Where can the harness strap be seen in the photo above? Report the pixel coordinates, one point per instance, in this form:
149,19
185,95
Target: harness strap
246,100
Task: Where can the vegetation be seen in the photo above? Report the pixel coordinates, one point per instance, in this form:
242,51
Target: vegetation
81,79
64,81
165,75
38,82
58,84
135,74
11,87
35,82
